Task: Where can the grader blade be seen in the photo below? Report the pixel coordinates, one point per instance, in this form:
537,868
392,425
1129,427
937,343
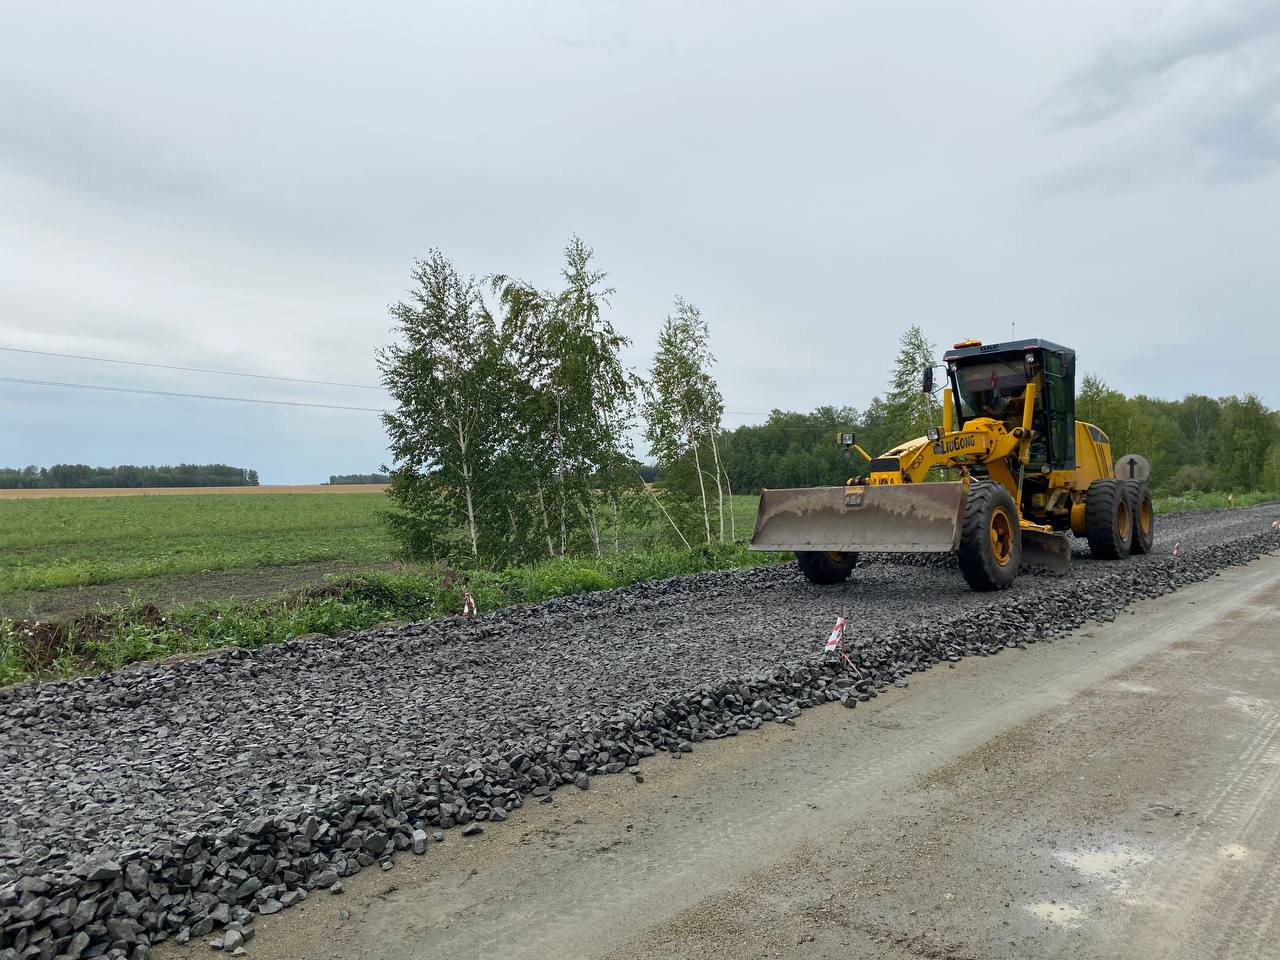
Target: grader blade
1048,550
893,518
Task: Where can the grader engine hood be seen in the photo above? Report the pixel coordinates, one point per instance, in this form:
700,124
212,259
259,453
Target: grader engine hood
891,518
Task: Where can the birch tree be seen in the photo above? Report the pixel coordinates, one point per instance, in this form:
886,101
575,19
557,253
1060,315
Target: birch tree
446,374
683,410
578,399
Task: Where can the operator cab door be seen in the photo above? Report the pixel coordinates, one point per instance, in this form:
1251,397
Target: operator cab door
1059,410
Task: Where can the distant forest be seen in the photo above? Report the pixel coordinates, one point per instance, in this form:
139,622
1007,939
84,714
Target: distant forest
79,475
338,478
1196,443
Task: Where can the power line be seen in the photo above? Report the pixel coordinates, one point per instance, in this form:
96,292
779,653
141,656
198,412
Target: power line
262,376
274,403
170,366
189,396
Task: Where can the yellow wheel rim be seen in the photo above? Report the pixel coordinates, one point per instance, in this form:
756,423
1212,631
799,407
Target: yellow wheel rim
835,555
1124,521
1001,531
1144,516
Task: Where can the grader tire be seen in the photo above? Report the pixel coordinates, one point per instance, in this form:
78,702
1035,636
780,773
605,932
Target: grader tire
990,540
1108,520
1144,516
825,568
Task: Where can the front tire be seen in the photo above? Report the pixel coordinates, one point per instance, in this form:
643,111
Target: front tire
990,540
1144,516
1108,521
825,568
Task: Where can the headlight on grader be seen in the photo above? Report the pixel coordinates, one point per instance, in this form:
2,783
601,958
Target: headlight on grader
934,433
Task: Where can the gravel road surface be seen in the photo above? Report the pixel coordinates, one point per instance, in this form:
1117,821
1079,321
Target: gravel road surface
178,800
1113,795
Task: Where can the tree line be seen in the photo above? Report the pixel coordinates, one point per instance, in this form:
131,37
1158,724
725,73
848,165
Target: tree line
1196,443
337,478
512,438
79,475
1227,444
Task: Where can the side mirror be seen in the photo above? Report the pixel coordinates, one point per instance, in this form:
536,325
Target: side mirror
926,385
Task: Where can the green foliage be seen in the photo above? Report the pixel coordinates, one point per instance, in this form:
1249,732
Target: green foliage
1248,433
512,418
683,409
128,634
447,375
791,449
82,476
1211,500
908,411
1193,444
345,478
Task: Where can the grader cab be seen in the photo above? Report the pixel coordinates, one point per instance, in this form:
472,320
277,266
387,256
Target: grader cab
999,481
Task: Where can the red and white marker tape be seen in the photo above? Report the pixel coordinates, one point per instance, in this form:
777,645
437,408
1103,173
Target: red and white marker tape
837,636
468,604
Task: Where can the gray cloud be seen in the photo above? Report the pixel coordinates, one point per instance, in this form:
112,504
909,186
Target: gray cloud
1191,95
1127,69
72,147
1241,130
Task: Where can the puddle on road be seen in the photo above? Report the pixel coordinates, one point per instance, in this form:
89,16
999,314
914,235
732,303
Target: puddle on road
1063,914
1134,687
1109,864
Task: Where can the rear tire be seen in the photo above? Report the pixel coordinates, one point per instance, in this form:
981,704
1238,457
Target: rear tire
1108,520
825,568
1144,516
990,540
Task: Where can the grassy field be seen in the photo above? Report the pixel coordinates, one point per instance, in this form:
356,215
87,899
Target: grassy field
55,493
47,544
64,542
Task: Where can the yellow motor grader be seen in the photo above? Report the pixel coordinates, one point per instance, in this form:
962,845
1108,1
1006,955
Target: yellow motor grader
1026,470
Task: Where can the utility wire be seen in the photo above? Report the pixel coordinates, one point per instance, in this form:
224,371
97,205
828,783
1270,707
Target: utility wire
189,396
261,376
237,373
170,366
276,403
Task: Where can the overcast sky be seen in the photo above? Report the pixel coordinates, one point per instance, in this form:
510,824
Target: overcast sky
244,186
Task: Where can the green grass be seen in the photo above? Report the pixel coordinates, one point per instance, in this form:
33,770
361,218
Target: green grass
1208,500
739,519
45,544
79,542
115,637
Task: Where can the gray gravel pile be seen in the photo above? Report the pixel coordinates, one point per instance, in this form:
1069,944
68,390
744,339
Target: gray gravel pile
183,799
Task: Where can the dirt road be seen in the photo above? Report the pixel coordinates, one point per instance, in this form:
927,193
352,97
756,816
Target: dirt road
1119,798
